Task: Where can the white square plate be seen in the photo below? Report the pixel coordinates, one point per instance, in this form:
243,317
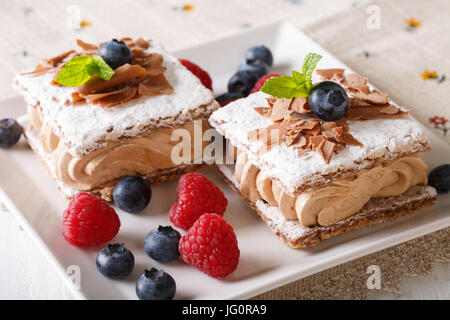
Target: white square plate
265,262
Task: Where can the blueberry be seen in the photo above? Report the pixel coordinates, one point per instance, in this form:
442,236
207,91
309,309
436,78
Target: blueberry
228,97
155,285
132,194
161,244
439,178
242,81
115,261
259,69
10,132
328,100
115,53
257,54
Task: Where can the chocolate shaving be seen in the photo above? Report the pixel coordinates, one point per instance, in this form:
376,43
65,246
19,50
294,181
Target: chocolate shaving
331,74
308,125
300,105
97,96
375,112
77,100
53,62
390,109
344,137
290,139
155,85
326,149
315,141
329,133
50,64
128,41
355,102
40,68
328,125
373,97
144,44
137,52
302,134
271,101
356,82
86,46
280,109
116,98
152,62
265,112
355,85
299,142
123,74
55,74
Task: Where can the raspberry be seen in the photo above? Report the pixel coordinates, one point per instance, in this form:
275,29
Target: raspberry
88,220
258,85
211,246
196,195
203,76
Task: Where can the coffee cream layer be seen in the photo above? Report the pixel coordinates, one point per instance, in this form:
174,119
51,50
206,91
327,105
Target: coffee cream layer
338,200
140,155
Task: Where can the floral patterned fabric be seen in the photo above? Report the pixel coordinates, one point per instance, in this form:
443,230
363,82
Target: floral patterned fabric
406,57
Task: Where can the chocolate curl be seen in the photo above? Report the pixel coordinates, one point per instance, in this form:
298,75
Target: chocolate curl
300,105
116,98
280,109
86,46
155,85
123,74
49,64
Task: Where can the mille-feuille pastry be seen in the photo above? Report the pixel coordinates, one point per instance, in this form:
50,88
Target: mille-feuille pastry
107,111
336,157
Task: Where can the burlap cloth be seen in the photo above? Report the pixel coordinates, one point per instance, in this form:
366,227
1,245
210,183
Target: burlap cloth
407,57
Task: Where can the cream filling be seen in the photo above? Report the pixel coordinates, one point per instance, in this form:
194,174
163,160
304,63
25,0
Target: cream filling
338,200
141,155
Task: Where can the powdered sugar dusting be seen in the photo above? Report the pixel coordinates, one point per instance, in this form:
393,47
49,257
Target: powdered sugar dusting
382,138
86,128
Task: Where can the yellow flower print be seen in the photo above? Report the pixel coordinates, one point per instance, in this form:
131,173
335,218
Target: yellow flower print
413,23
188,7
433,75
185,7
427,75
85,23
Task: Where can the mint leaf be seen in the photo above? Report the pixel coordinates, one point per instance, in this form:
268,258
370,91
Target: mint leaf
309,64
104,71
284,87
80,69
75,73
299,85
298,77
92,69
